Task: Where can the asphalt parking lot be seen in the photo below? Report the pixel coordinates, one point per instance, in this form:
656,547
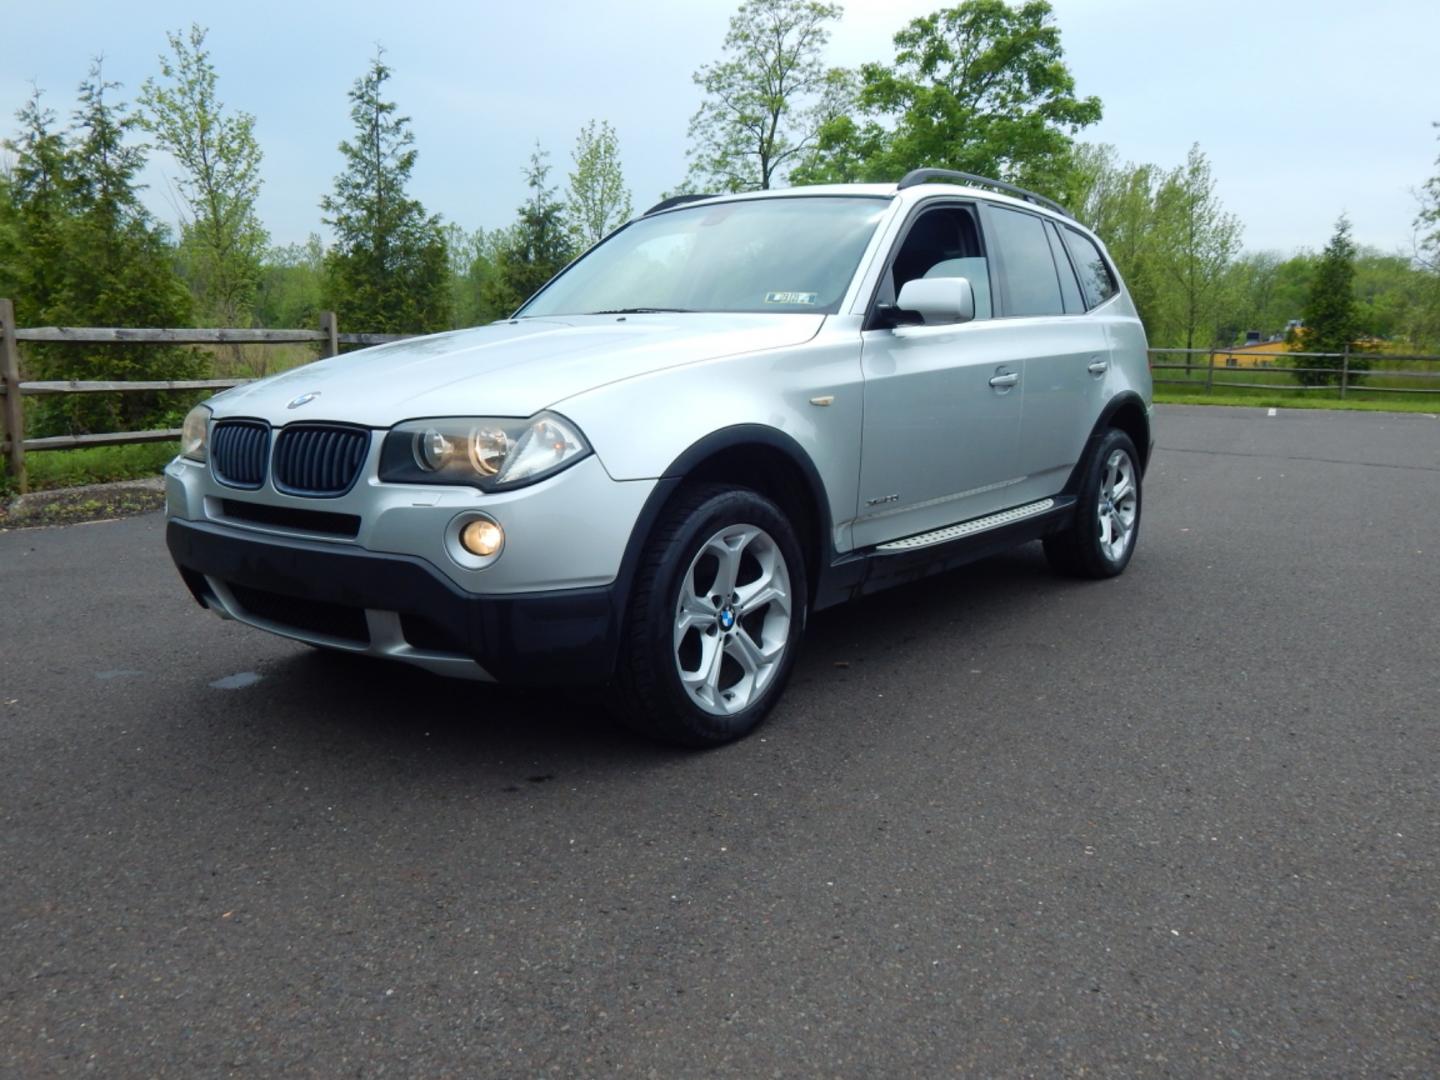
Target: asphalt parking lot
1185,823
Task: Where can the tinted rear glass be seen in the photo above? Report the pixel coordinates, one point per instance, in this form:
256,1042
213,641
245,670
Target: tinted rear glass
1095,277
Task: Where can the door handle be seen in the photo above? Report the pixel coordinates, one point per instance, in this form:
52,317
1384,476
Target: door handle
1098,367
1008,379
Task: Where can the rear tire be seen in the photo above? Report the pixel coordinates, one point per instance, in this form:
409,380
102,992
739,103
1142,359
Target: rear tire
715,618
1100,541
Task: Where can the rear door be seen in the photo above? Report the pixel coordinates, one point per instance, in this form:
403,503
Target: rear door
1065,350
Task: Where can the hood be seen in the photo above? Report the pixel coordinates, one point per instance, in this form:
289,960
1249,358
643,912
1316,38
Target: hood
505,369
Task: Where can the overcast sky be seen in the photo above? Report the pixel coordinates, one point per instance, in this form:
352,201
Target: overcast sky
1305,109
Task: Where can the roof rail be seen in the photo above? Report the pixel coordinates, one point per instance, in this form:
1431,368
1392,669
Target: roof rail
676,200
927,176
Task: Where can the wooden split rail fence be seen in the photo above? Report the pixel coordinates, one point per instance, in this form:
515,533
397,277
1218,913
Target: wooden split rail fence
1198,366
1346,372
14,444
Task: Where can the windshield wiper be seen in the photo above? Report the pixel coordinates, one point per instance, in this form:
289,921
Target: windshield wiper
638,311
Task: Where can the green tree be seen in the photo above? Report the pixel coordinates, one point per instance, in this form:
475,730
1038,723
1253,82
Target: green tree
115,267
1392,295
1427,221
1198,242
1330,318
473,260
221,238
9,238
1249,291
981,87
292,285
599,201
40,206
388,270
537,247
1118,201
1426,314
765,100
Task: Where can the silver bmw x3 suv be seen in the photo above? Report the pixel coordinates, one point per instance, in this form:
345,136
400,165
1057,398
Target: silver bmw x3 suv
732,412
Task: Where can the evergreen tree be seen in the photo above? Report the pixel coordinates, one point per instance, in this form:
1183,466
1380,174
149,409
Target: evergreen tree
95,257
388,270
9,238
537,248
221,239
39,196
1330,322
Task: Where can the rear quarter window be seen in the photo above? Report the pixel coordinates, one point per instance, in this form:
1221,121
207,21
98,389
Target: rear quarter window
1096,280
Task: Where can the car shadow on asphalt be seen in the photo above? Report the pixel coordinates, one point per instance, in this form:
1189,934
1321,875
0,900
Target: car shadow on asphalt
315,698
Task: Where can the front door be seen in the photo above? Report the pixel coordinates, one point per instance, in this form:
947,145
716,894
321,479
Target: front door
943,403
941,428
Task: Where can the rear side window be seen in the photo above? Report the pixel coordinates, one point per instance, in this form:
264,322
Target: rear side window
1069,286
1096,280
1031,284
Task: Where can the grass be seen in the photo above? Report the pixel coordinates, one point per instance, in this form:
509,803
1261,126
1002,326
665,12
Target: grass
1279,400
51,469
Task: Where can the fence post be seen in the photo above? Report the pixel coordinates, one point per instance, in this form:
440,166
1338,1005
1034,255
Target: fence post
331,329
1210,374
1344,371
12,407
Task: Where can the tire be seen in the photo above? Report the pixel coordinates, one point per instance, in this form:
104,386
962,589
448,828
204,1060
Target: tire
1102,538
699,673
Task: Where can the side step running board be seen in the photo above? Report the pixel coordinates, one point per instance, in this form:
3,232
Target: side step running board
966,528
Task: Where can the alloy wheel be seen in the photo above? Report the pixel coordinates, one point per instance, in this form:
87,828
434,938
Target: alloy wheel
1119,505
732,619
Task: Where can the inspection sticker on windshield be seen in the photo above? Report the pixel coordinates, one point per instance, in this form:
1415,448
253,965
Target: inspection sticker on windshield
790,297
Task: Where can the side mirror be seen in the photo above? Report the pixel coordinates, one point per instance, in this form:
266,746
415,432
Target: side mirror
938,300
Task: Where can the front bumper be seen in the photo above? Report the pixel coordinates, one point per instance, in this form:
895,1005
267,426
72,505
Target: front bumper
397,606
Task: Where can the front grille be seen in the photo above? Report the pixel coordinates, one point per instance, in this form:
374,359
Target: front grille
287,517
238,449
309,616
319,459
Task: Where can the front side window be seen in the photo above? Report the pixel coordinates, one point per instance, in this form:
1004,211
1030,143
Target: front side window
756,255
1031,284
943,242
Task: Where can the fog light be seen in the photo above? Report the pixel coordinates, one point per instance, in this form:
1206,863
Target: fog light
482,537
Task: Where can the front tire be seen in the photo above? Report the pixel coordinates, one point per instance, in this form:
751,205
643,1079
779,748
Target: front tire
715,618
1107,517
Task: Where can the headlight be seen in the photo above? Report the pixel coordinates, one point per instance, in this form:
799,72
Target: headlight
488,453
195,433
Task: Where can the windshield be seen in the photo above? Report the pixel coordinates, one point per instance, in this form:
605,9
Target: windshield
756,255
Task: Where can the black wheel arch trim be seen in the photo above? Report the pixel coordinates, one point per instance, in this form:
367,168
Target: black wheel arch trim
1102,425
702,450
